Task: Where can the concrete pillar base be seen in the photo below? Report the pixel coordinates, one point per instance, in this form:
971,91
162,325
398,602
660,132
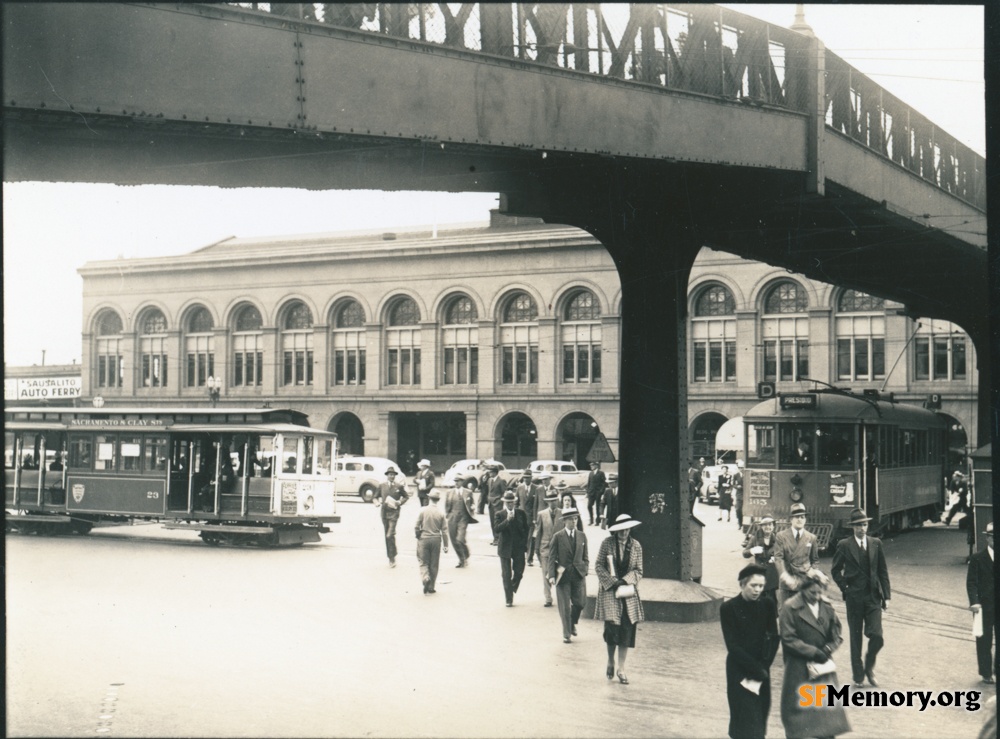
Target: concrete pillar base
673,601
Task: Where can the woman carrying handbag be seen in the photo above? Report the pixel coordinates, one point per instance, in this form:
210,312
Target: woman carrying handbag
619,570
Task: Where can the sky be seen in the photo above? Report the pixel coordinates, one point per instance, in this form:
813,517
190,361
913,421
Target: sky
931,57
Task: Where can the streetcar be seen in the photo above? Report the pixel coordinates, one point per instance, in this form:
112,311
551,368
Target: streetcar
238,476
833,450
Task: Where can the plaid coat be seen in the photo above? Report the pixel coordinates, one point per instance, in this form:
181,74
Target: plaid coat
608,607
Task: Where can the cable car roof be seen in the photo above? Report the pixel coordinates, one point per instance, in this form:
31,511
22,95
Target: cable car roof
833,407
248,428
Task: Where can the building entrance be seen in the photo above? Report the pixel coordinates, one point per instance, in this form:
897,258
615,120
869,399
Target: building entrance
575,436
436,437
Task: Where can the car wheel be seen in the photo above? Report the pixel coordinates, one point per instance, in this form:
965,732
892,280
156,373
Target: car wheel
367,493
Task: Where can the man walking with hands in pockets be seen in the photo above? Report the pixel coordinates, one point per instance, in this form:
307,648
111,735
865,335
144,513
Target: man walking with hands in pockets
567,570
860,571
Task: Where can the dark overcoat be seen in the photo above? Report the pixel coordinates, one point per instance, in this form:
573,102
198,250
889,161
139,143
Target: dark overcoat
807,639
750,629
765,559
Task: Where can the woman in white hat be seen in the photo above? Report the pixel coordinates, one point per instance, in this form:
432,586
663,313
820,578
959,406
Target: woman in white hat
619,569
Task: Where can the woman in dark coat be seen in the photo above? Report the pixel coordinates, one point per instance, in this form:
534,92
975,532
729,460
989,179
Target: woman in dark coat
760,546
725,487
619,563
807,638
750,627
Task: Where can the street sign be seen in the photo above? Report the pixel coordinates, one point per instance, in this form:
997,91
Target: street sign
600,450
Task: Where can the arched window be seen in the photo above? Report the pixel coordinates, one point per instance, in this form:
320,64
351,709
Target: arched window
785,331
460,342
715,300
404,312
248,348
198,347
713,336
297,345
786,297
153,349
348,344
860,330
519,341
403,343
581,338
109,363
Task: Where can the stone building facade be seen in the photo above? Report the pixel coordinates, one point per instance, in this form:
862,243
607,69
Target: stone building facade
489,341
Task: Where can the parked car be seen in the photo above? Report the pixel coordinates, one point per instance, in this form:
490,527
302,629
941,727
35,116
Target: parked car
564,474
362,475
475,468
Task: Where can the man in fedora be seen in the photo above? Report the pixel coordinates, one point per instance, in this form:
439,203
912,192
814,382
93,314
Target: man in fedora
537,503
547,523
596,483
388,498
980,585
860,572
795,553
511,525
567,570
458,511
495,488
425,480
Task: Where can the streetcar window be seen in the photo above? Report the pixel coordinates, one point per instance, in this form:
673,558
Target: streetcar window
307,455
156,453
8,450
324,456
760,452
796,444
836,445
105,444
289,461
81,452
130,448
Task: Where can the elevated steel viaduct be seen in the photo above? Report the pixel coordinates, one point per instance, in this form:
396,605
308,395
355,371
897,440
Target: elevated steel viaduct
657,128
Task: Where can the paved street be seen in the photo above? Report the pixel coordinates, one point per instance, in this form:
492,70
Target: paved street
138,631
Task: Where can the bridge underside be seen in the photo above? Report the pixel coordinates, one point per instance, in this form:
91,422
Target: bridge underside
759,214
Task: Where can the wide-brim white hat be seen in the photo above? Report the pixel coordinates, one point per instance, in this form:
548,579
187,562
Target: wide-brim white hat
624,521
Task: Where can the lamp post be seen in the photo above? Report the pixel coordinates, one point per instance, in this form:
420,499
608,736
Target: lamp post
214,385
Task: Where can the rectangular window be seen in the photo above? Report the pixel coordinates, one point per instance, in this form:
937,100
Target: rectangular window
878,358
403,367
392,370
298,367
154,370
81,452
715,361
519,365
110,370
787,365
802,362
569,362
940,358
200,366
771,360
237,369
843,359
700,362
104,452
958,358
730,347
155,457
583,363
861,371
922,359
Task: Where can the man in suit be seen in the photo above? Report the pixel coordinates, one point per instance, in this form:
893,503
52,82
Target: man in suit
458,511
860,571
795,553
388,498
512,534
537,495
596,483
980,583
425,481
547,523
495,488
567,570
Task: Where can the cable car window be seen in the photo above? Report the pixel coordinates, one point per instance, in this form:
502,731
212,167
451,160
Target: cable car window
307,455
289,461
81,452
796,442
836,445
105,444
760,452
156,453
130,448
324,456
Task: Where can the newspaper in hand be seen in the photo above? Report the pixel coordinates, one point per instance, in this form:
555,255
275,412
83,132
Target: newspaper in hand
752,685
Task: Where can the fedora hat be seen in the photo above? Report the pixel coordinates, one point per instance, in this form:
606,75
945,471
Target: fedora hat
989,528
424,463
857,516
624,521
434,494
567,512
543,476
797,509
551,495
766,519
509,496
390,471
612,477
